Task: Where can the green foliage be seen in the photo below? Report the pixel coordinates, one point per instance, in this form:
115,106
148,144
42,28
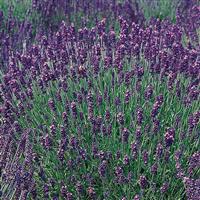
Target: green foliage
159,8
20,8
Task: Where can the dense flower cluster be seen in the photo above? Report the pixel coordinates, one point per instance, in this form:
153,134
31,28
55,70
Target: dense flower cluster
45,16
100,113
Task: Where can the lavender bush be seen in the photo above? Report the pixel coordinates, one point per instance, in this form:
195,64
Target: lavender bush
104,112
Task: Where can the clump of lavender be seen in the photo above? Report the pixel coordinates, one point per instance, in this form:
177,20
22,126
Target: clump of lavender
99,103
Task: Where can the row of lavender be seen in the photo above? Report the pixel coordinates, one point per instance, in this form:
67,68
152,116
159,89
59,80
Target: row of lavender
44,17
89,114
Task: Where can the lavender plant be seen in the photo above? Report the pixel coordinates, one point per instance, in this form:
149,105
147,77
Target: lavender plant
100,113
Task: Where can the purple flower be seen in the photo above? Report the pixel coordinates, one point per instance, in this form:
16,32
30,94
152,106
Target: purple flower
164,187
154,168
134,149
102,168
167,155
138,134
74,109
143,182
156,125
127,96
148,92
125,135
138,86
69,196
53,129
117,101
137,197
73,142
159,150
120,118
140,72
65,117
52,105
118,154
99,99
194,162
118,171
145,157
46,191
91,192
169,137
126,160
79,188
139,116
47,141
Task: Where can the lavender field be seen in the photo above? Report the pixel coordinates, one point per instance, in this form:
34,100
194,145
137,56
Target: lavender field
99,100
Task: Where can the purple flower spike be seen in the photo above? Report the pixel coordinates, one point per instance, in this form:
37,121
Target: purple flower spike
148,92
169,137
74,109
125,135
91,193
143,182
145,157
137,197
120,118
164,187
79,188
52,105
102,168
